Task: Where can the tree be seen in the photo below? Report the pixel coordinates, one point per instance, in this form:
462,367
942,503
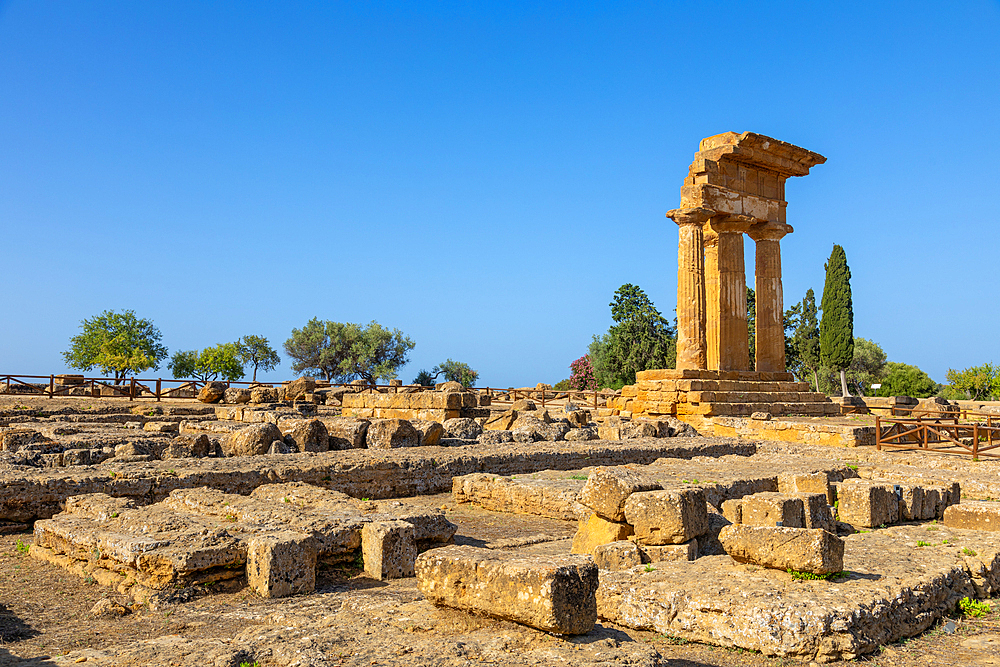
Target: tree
256,351
208,364
118,343
976,382
582,374
424,379
836,328
805,338
752,326
456,371
867,366
906,380
343,351
640,339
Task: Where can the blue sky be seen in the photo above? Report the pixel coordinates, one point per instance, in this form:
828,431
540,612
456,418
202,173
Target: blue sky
482,176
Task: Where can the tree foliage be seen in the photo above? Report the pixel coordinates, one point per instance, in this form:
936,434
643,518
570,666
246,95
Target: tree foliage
752,326
212,363
343,351
805,337
640,339
836,328
457,371
257,352
582,374
978,383
906,380
867,367
424,378
117,343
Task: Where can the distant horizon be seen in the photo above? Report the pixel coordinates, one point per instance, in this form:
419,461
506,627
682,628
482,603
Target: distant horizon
481,176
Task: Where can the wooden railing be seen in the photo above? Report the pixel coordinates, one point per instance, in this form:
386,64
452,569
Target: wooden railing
971,433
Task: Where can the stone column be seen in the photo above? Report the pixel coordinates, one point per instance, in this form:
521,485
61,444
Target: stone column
691,341
729,309
711,296
770,328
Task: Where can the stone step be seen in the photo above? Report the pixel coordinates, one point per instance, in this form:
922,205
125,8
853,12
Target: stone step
715,385
747,409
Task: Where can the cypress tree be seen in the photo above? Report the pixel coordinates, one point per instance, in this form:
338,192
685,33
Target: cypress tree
836,328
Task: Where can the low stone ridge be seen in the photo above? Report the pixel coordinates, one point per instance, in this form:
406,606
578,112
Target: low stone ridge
551,593
31,493
973,514
866,504
893,589
553,498
197,536
800,549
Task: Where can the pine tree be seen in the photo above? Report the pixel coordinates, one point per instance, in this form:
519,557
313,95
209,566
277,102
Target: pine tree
836,328
806,336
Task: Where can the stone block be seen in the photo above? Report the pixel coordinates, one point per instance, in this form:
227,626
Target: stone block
160,427
263,395
76,457
620,555
345,432
391,434
551,593
669,552
252,440
911,502
607,489
281,564
801,549
430,432
236,395
671,516
866,504
816,482
733,510
187,446
597,530
305,435
773,509
974,515
816,512
462,427
389,549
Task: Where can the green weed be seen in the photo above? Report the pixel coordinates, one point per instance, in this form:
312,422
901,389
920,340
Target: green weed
809,576
973,608
921,543
968,552
650,568
580,477
21,547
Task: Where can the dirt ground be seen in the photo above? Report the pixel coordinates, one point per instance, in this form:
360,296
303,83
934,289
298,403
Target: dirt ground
46,619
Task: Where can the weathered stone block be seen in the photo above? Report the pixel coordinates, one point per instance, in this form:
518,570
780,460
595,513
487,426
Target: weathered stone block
389,549
345,432
305,435
801,549
551,593
772,509
973,515
391,434
212,392
252,440
160,427
669,552
297,389
76,457
816,512
667,517
281,564
597,530
430,432
620,555
866,504
733,510
462,427
263,395
236,395
607,489
816,482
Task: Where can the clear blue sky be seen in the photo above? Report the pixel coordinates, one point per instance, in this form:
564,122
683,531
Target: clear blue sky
482,176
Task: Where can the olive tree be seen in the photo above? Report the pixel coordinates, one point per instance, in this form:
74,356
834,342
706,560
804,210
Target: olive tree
344,351
117,343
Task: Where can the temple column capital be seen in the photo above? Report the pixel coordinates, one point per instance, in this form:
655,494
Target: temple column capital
731,224
769,231
690,216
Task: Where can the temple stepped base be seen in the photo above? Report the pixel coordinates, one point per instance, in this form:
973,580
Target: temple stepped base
706,393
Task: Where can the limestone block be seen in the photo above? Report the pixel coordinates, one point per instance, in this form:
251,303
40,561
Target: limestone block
609,432
236,395
669,552
229,413
252,440
607,489
389,549
305,435
263,395
501,422
911,502
495,437
12,440
281,564
345,432
866,504
131,449
430,432
76,457
816,512
581,434
733,510
391,434
160,427
817,482
772,509
297,389
187,446
974,515
596,531
667,517
802,549
462,427
620,555
551,593
639,429
212,392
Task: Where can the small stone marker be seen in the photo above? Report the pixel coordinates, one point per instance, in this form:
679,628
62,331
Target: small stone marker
389,549
667,517
801,549
281,564
551,593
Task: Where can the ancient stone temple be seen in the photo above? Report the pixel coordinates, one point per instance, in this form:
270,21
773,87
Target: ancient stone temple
735,186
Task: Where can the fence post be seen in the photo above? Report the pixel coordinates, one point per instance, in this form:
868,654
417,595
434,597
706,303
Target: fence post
52,382
158,382
131,390
878,433
543,399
